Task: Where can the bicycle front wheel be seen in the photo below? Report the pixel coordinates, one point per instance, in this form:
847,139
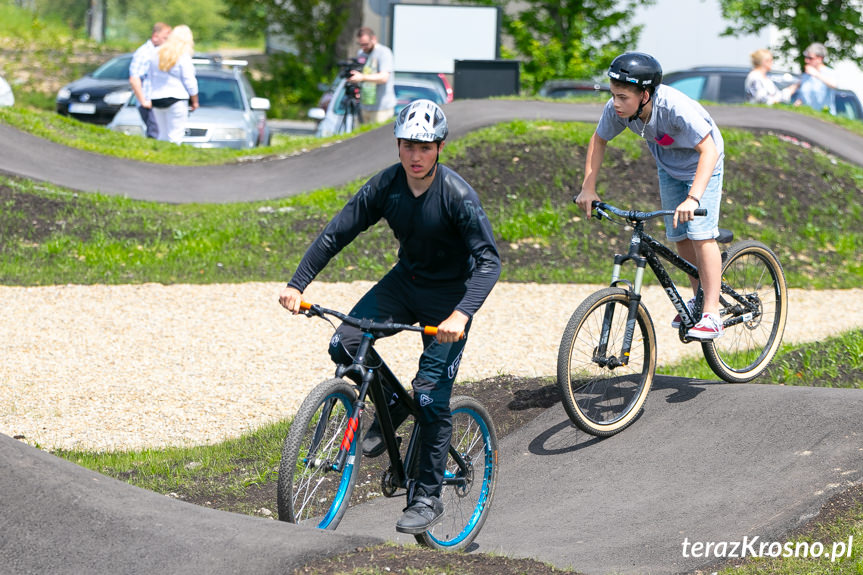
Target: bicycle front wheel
310,491
601,394
469,479
753,306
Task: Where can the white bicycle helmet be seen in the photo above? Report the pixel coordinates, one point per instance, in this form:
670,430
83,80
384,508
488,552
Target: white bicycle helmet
421,121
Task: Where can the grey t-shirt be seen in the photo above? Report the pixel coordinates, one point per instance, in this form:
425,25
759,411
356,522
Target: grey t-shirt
376,97
676,125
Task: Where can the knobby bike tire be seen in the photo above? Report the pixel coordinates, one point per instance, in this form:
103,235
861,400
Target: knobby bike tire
466,505
309,491
600,400
748,346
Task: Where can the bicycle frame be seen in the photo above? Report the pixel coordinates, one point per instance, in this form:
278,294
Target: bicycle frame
645,250
370,382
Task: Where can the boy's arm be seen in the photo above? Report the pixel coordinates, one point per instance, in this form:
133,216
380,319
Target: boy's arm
707,157
595,155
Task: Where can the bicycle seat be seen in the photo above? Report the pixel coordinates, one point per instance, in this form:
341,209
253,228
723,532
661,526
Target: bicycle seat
725,236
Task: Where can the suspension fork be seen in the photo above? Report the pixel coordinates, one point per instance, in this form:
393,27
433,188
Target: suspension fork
634,295
366,375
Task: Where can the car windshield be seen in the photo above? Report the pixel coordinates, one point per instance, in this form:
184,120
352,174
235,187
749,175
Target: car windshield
219,93
115,69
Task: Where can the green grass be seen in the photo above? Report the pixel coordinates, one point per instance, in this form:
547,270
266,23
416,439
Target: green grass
226,469
52,236
100,140
834,362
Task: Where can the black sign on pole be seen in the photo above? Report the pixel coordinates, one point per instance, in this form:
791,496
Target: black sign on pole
485,78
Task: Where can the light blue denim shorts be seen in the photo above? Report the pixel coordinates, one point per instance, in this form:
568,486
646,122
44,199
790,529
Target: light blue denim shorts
672,192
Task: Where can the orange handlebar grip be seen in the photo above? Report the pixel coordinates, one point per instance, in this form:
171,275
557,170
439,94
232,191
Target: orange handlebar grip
432,330
305,305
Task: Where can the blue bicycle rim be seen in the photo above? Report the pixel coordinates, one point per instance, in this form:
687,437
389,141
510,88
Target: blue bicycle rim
347,472
483,498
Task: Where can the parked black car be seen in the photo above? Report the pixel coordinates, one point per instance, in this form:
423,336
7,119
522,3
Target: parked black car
98,96
725,85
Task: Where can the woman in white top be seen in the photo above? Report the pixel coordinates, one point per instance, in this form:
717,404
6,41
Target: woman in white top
759,88
173,85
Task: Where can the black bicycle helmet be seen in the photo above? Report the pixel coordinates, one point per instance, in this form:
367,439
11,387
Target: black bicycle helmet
637,68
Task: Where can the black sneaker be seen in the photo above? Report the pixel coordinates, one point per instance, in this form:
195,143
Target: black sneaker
373,442
421,515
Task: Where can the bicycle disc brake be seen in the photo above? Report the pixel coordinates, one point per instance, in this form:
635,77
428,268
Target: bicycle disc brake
463,489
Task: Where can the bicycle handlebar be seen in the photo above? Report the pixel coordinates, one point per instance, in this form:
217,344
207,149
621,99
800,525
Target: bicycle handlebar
637,216
368,325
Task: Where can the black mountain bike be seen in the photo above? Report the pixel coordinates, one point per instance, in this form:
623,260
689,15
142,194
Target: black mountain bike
607,356
322,452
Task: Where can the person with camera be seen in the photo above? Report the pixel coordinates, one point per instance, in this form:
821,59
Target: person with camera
376,79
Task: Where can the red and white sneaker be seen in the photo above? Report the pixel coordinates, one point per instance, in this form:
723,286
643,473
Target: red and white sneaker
675,323
710,327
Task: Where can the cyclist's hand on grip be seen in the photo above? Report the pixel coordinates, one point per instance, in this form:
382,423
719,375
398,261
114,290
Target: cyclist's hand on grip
585,200
290,298
685,212
452,328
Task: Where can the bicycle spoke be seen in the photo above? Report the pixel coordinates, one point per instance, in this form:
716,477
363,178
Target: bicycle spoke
309,490
754,315
468,486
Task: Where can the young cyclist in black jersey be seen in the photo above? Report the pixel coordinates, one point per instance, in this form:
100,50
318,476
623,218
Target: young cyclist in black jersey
447,265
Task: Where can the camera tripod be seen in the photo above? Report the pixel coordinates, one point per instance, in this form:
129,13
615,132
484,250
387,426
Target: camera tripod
350,108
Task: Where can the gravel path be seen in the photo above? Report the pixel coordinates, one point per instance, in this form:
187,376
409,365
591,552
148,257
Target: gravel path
127,367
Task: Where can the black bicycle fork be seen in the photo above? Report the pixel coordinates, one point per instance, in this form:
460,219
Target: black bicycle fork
745,308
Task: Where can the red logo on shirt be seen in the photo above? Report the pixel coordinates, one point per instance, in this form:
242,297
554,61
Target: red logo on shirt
665,140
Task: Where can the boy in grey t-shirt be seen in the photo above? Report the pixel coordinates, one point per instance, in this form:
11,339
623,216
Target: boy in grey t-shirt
689,153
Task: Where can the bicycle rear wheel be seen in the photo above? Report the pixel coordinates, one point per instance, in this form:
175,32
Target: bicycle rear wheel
469,486
753,306
309,490
601,396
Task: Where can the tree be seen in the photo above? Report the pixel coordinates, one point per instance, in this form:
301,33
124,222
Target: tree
321,33
567,38
836,23
320,30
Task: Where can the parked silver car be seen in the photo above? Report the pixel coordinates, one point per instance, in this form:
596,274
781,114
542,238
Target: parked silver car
229,114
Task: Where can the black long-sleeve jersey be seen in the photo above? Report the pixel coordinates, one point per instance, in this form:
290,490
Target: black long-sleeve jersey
444,235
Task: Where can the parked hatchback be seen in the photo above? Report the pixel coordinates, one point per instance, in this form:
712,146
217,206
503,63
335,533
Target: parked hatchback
726,85
98,96
229,114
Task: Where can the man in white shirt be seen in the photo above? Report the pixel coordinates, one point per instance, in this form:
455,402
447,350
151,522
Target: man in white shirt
138,77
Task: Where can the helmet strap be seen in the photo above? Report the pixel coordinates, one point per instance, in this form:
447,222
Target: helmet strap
436,161
641,107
